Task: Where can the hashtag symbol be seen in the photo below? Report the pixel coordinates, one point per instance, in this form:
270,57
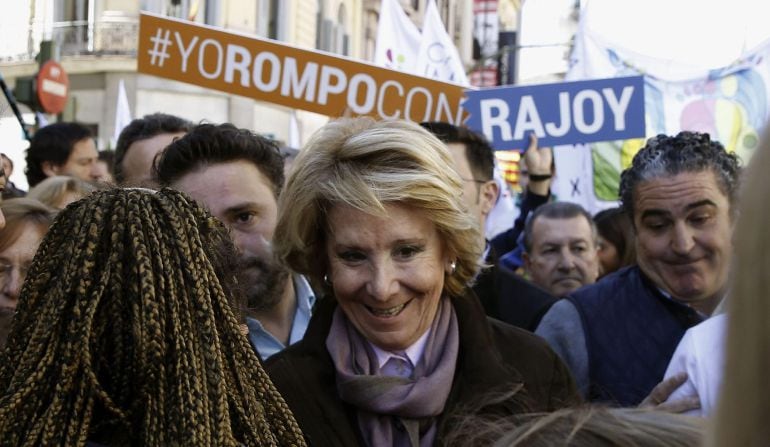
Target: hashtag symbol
160,49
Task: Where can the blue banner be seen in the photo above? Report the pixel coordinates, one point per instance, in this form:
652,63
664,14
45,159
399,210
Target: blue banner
560,113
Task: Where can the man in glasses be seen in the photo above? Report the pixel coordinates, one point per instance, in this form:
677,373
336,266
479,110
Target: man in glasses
503,293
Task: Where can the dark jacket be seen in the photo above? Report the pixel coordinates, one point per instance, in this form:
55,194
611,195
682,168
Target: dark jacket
508,297
494,358
631,331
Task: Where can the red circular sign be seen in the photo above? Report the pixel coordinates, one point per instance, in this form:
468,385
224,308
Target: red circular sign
52,87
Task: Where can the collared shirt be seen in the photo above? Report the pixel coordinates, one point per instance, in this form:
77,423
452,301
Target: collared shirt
265,343
412,354
718,310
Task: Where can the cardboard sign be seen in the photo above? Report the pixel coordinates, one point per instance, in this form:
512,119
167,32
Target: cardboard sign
561,113
270,71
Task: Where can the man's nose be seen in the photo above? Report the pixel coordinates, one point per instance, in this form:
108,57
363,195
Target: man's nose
682,241
94,171
566,260
251,243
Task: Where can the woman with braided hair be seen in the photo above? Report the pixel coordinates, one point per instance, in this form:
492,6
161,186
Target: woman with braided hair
126,334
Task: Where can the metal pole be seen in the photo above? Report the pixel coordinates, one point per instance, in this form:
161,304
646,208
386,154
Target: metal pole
517,48
15,107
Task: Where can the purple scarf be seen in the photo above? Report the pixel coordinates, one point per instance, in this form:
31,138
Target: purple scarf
393,411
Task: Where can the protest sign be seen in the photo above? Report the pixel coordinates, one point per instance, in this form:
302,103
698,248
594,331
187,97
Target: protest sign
270,71
561,113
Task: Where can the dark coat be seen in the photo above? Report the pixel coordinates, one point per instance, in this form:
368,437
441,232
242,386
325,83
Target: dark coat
631,332
508,297
494,358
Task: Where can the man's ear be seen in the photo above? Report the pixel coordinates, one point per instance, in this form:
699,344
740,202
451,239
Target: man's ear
488,196
49,169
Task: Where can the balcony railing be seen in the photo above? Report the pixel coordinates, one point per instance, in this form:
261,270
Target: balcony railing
109,35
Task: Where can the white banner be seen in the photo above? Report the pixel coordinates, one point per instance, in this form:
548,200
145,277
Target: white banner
732,104
398,39
122,113
438,57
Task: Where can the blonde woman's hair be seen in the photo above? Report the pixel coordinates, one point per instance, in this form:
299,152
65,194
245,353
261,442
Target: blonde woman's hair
741,417
368,164
20,213
584,426
53,190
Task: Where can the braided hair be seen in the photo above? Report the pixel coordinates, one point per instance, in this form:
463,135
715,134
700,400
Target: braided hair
126,334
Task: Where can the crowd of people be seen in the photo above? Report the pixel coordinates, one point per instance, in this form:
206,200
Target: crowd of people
194,288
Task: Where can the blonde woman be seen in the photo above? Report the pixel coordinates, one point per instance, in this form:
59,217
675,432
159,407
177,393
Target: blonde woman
61,190
373,213
26,222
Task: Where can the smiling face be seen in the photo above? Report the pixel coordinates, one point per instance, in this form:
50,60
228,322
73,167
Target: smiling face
683,239
387,272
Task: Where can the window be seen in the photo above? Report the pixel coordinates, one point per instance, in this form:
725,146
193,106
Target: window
268,13
71,11
213,13
178,8
331,35
319,26
73,26
342,39
370,34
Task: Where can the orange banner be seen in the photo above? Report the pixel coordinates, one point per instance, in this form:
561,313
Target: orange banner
270,71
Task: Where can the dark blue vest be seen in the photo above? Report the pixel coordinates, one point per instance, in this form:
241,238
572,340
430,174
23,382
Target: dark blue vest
631,332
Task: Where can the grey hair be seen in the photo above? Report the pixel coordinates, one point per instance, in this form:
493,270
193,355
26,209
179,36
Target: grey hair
557,210
665,156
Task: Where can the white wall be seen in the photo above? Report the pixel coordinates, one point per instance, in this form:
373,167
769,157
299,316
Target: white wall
193,107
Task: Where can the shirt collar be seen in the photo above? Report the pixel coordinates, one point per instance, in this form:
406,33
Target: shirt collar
413,353
305,296
717,310
265,343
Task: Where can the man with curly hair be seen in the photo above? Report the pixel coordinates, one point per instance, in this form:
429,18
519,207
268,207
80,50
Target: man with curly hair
618,335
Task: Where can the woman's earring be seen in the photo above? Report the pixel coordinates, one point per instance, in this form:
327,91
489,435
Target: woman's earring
452,267
326,280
